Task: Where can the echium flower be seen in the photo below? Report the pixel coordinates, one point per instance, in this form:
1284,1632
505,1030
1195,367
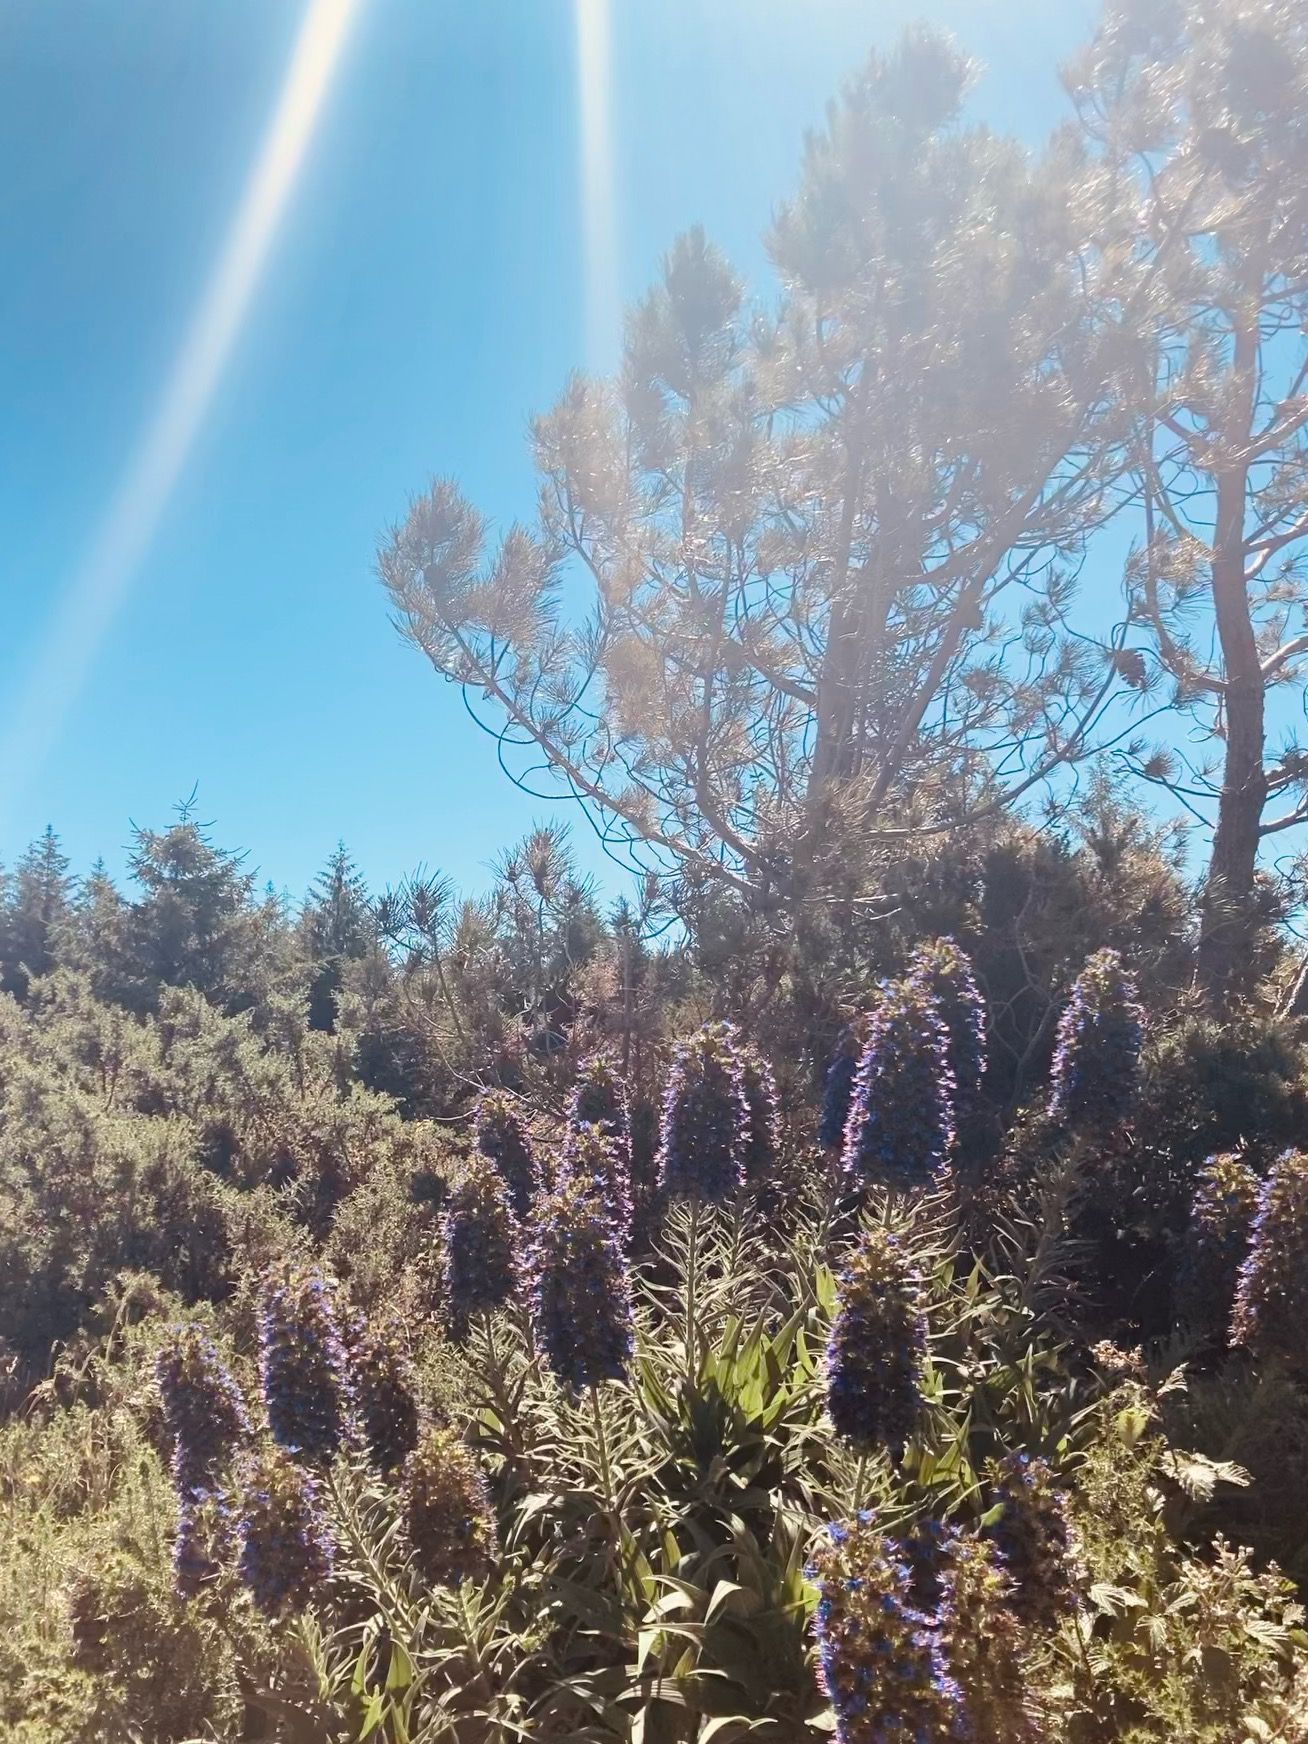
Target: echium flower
481,1239
600,1098
590,1155
1032,1535
879,1657
303,1366
503,1137
448,1525
1217,1238
877,1346
203,1409
761,1141
944,970
982,1641
838,1086
1271,1295
285,1542
582,1294
384,1395
705,1124
901,1112
204,1533
1096,1069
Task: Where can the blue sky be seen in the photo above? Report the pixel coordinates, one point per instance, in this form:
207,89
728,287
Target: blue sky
424,292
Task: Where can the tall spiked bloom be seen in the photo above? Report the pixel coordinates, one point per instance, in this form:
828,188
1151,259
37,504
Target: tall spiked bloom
838,1087
285,1544
582,1295
203,1410
879,1657
944,971
1217,1238
901,1112
590,1155
705,1125
599,1098
1096,1068
761,1142
384,1394
448,1525
1271,1297
982,1641
303,1365
877,1346
1032,1535
502,1136
481,1240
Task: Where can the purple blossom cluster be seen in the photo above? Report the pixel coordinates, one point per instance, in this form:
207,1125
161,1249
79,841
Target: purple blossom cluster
838,1088
502,1137
600,1098
589,1154
877,1346
481,1238
285,1542
1217,1238
582,1296
1033,1537
881,1660
205,1415
448,1525
982,1638
1271,1295
901,1113
705,1124
917,1638
385,1399
303,1366
944,971
1096,1068
204,1411
762,1136
203,1542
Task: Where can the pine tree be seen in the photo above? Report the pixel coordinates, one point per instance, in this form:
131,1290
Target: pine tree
35,915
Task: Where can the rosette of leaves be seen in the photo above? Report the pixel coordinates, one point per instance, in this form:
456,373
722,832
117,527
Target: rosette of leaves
481,1241
303,1365
1216,1239
1271,1295
880,1660
945,972
1095,1074
285,1542
877,1346
901,1113
449,1529
502,1136
705,1123
582,1293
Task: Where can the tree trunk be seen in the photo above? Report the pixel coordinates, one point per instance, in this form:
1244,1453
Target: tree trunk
1229,920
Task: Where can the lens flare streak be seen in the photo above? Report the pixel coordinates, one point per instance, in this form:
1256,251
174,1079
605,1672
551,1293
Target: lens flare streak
98,588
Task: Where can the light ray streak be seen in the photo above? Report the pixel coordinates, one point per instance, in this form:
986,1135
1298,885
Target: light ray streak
98,587
599,211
